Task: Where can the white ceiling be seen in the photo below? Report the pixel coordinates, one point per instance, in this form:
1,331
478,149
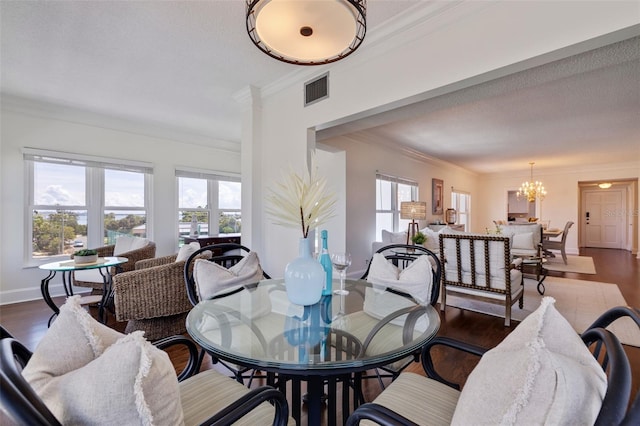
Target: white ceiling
178,64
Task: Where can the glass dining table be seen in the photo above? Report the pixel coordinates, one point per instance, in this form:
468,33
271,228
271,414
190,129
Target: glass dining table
67,268
326,345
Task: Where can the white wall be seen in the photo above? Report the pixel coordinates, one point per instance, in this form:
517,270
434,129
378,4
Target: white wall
415,60
562,201
363,161
19,282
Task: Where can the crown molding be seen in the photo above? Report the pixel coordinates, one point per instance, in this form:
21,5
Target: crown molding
57,111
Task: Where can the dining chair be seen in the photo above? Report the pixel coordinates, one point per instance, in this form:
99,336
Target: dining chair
543,372
208,397
548,244
227,256
401,256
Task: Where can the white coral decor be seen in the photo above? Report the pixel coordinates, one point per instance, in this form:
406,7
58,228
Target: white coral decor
301,201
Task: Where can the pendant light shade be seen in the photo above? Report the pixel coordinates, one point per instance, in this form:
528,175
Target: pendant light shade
307,32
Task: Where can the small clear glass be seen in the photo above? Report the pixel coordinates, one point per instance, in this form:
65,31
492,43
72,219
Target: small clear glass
341,261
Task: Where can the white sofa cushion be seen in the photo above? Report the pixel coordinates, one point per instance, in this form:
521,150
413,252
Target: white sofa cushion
542,373
394,237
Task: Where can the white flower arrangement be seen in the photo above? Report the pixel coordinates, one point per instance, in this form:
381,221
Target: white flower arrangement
301,201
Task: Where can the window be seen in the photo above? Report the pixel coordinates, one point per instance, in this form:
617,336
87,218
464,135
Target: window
77,201
214,200
461,201
390,192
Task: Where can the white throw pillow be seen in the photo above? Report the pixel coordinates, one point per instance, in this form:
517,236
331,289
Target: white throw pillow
88,374
416,279
394,237
125,244
523,241
433,240
211,278
187,250
542,373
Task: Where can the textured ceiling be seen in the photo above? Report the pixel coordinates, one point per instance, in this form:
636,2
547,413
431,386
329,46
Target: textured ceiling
178,64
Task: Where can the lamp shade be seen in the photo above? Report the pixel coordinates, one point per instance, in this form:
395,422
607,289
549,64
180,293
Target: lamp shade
306,32
413,210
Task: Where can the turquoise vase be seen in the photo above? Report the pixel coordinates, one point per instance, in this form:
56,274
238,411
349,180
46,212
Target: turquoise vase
304,277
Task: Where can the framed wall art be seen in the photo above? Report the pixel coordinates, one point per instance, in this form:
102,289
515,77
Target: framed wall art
437,192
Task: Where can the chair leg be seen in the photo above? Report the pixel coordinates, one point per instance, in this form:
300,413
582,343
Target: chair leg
564,255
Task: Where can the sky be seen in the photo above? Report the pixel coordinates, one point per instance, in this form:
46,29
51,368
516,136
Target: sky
65,185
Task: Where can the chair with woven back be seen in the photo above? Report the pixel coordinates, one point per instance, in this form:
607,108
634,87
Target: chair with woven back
153,297
412,271
544,372
230,267
83,372
133,248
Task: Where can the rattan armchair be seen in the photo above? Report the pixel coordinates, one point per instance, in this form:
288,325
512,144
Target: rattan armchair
153,297
146,252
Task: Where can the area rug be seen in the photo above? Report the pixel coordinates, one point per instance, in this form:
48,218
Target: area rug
578,264
580,302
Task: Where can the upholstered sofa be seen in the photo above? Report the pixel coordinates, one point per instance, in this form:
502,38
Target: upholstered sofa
480,266
389,237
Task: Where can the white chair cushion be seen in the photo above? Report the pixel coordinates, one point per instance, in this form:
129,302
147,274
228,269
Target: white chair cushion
416,279
496,256
87,373
211,278
187,250
125,244
542,373
394,237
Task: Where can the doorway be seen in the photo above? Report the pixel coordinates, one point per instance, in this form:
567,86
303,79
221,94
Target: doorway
604,218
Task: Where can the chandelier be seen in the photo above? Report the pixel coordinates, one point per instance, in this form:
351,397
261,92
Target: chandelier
531,190
307,32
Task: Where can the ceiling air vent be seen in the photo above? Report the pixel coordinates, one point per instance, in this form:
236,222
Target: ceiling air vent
316,90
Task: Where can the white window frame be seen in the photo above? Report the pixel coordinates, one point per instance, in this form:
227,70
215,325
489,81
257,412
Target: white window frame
94,192
213,179
395,205
462,216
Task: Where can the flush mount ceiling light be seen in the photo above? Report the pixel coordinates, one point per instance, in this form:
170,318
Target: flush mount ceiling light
605,185
307,32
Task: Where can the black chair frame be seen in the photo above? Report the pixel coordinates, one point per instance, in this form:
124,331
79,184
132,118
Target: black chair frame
397,257
24,406
227,255
604,345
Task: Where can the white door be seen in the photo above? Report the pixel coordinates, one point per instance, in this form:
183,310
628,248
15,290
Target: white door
603,218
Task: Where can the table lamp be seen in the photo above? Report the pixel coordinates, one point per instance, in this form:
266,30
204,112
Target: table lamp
414,210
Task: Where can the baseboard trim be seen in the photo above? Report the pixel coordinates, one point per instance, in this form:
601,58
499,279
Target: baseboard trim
32,293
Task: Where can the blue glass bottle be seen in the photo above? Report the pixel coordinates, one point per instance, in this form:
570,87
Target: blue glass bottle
325,261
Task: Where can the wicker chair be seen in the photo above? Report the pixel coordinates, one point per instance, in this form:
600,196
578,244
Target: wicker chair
153,297
417,400
206,398
146,252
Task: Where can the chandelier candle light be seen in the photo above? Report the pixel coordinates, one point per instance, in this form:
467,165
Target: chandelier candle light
307,32
302,202
531,190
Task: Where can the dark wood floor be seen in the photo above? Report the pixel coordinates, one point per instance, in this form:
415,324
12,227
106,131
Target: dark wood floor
28,321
